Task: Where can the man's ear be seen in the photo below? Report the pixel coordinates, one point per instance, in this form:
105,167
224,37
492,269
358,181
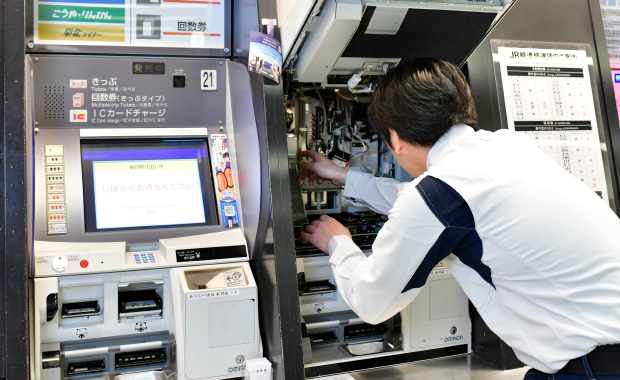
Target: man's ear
397,143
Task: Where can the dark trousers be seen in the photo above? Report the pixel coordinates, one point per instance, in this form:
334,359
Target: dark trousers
588,373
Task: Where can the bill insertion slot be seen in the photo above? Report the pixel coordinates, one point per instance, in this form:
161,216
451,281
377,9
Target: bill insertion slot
80,309
91,366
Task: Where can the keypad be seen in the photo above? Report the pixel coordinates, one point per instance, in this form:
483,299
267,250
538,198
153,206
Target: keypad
145,258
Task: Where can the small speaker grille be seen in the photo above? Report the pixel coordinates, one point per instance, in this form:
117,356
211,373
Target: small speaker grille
54,102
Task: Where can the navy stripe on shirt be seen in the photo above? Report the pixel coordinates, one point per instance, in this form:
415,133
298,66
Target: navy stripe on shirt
458,237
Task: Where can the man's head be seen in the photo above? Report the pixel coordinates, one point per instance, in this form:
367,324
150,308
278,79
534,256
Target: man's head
420,100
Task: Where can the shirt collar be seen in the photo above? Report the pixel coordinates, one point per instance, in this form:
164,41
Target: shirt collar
451,138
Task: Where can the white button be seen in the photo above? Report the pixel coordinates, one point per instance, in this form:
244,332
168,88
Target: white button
56,198
56,178
57,228
60,263
56,218
54,150
59,187
56,207
54,160
55,169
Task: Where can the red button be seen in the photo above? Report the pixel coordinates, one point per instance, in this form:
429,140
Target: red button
84,263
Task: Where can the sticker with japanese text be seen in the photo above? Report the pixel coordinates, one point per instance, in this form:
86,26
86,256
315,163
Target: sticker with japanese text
148,23
224,179
229,214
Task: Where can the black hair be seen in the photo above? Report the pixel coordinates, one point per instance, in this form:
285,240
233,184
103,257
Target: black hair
420,100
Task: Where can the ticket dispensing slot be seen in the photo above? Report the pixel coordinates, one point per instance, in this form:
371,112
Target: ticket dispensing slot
364,331
140,358
318,287
110,358
366,339
324,337
80,309
140,300
345,335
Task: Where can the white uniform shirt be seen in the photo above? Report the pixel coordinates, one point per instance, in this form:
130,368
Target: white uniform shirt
535,250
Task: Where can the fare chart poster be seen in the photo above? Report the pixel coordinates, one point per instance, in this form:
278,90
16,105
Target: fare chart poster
610,12
548,96
144,23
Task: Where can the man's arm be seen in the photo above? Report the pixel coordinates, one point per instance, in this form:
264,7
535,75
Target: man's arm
320,169
377,193
405,251
360,188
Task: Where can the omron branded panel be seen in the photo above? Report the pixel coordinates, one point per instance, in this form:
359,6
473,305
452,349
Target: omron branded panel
116,92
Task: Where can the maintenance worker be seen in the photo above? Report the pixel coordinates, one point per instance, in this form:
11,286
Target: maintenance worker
536,251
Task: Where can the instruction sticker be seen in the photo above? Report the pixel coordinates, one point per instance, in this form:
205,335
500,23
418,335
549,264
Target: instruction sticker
234,277
224,177
214,294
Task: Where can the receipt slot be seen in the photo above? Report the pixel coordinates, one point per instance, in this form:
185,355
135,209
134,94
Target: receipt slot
216,320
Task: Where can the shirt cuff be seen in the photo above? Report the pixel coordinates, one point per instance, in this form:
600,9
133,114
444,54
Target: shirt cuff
353,185
340,247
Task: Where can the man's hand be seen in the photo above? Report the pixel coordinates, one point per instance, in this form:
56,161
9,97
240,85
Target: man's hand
320,232
320,169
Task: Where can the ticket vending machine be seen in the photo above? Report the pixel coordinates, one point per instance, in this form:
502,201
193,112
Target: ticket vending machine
139,248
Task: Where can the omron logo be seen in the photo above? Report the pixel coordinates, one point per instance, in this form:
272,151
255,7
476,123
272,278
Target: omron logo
78,116
240,368
453,339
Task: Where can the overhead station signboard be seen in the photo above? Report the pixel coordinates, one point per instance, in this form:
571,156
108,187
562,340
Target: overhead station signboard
135,23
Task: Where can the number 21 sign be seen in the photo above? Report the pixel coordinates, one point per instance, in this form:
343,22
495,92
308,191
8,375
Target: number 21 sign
208,80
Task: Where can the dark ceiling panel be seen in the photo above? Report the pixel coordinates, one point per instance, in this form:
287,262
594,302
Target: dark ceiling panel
449,35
